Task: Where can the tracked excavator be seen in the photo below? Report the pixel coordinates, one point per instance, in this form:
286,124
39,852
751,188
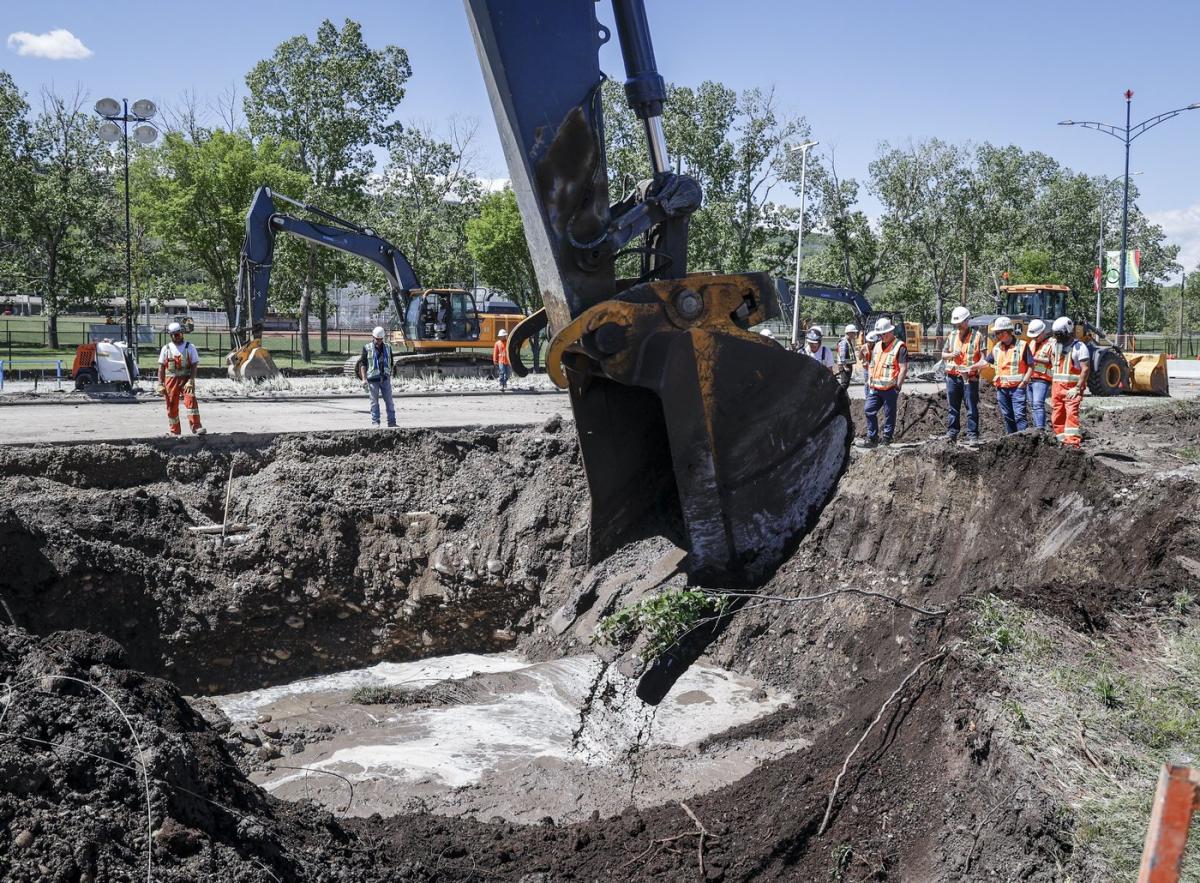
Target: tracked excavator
689,423
442,330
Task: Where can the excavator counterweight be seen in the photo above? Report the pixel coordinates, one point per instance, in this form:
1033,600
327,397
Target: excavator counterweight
689,424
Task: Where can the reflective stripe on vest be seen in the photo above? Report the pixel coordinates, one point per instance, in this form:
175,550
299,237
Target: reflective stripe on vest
373,366
1043,360
1064,366
178,365
845,353
1010,366
885,368
966,353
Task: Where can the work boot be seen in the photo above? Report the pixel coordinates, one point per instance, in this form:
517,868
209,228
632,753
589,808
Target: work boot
887,440
972,441
868,443
200,431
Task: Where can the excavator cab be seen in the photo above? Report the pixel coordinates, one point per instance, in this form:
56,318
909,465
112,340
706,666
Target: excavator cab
442,314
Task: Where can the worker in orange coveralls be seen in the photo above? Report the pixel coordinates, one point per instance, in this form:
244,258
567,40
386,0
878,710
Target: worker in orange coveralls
177,364
500,359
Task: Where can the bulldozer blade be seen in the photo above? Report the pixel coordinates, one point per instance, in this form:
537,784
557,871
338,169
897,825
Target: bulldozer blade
740,446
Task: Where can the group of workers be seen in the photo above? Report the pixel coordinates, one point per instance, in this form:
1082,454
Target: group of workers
1050,366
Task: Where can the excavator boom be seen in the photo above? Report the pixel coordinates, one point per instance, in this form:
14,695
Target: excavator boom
689,423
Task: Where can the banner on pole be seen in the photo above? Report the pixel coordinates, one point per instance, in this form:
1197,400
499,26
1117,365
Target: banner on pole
1096,277
1133,260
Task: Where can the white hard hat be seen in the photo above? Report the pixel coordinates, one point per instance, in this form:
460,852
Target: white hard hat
814,333
1036,327
960,315
872,336
1002,323
503,333
767,332
884,326
1063,323
378,332
851,328
174,328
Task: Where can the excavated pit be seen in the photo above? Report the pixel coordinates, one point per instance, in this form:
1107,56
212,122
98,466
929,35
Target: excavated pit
366,549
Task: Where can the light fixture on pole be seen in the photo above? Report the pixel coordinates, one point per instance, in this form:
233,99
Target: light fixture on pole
803,148
144,133
1128,135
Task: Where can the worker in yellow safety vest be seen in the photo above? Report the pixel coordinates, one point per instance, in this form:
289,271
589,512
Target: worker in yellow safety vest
1014,365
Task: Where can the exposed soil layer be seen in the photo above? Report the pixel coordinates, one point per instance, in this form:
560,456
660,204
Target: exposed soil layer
931,795
360,547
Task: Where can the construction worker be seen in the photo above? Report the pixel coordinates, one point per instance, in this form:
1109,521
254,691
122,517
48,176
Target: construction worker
889,365
963,357
375,370
500,358
178,362
864,353
815,349
1041,348
846,357
1014,365
1071,367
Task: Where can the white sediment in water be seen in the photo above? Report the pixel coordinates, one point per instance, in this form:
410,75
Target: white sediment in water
526,723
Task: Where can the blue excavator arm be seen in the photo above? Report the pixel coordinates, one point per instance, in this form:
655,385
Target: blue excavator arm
820,291
690,425
264,222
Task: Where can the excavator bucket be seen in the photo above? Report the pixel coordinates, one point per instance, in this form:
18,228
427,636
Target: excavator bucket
251,362
703,427
1148,373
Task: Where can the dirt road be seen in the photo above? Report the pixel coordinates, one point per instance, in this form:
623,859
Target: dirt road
146,418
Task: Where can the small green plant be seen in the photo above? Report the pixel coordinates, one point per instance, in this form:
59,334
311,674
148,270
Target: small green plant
1191,452
842,858
1183,601
377,696
999,626
1106,691
1017,713
662,618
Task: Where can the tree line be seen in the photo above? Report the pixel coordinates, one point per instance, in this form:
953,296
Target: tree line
319,122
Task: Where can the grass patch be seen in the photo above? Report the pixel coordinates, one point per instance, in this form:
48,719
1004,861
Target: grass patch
378,696
661,618
1190,453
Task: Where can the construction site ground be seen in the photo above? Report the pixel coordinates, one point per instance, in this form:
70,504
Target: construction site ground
385,670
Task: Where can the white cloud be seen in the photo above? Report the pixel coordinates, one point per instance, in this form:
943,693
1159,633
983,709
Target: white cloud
56,45
1182,226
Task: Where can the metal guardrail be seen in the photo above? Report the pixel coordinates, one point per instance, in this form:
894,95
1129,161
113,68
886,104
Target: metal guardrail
44,363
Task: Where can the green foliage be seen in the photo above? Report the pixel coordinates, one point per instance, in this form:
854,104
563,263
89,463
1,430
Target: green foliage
496,243
999,627
661,618
377,696
193,196
427,195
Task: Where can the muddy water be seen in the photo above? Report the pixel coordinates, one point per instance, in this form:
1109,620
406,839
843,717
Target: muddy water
510,740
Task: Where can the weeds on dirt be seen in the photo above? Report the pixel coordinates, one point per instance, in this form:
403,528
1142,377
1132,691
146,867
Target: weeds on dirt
377,696
661,618
1190,452
1098,718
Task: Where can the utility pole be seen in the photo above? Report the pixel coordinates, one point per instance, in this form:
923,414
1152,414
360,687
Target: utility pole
803,148
964,282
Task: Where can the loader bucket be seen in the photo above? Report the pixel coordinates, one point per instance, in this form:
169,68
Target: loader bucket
251,362
1148,373
701,429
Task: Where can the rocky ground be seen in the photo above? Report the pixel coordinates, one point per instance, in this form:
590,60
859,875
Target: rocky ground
1037,654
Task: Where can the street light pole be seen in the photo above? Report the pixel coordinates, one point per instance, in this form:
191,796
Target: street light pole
144,133
1127,136
803,148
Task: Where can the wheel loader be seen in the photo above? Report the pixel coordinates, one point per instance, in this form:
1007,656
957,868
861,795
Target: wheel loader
690,424
1114,372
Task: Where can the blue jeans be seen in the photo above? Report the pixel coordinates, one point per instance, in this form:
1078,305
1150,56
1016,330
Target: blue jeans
876,399
504,372
1039,391
958,389
1012,408
377,388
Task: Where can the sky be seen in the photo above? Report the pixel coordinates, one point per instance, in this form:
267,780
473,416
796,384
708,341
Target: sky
862,72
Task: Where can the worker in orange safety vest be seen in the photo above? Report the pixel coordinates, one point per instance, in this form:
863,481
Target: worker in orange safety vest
1072,365
178,361
500,358
1041,347
1014,365
962,355
886,373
